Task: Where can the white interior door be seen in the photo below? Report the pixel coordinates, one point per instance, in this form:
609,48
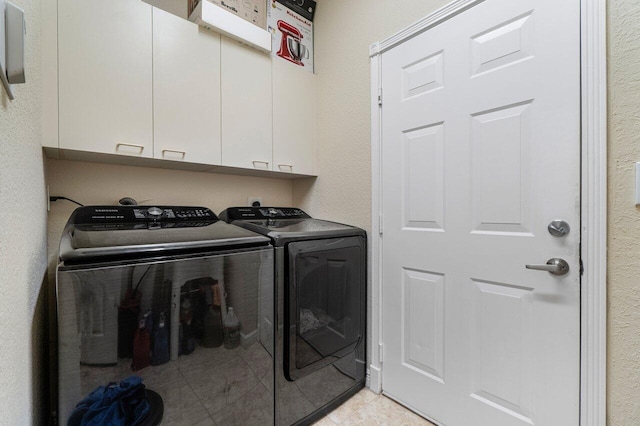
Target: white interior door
481,151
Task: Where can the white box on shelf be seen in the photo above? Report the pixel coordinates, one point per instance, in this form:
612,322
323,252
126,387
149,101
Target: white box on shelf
212,17
254,11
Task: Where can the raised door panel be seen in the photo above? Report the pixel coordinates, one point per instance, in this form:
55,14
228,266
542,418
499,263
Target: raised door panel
105,76
246,107
186,90
294,118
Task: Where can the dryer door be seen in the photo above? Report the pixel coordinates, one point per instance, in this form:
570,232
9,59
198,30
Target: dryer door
324,303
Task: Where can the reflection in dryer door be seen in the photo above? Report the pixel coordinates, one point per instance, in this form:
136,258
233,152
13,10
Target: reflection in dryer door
325,303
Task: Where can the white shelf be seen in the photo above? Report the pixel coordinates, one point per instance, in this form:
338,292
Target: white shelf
213,17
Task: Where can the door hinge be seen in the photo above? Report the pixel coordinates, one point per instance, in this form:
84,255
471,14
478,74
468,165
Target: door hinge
380,224
380,352
380,96
581,267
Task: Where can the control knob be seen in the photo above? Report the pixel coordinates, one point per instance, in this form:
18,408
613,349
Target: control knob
154,212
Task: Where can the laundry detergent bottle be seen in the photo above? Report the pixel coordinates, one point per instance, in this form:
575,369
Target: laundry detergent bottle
141,347
160,353
231,330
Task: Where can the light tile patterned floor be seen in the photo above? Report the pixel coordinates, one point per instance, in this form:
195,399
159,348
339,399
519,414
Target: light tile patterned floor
368,408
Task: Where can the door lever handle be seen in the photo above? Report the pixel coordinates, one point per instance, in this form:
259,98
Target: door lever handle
554,266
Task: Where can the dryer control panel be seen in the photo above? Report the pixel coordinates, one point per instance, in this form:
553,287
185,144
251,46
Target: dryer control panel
257,213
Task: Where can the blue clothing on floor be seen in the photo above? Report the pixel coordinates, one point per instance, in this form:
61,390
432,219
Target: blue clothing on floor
113,405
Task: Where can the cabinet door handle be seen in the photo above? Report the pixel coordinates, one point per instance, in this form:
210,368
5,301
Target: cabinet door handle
140,148
266,164
289,166
173,154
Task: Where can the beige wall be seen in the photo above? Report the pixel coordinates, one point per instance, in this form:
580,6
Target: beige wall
624,218
343,32
22,241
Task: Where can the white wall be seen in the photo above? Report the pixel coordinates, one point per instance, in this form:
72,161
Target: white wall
343,32
22,240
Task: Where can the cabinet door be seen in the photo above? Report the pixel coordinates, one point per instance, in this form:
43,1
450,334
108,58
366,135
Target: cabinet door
186,90
294,119
246,107
105,76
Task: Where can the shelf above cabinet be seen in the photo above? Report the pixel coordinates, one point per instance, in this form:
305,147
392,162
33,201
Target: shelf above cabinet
213,17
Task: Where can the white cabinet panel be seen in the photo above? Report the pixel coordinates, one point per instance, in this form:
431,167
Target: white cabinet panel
186,90
294,119
105,76
246,107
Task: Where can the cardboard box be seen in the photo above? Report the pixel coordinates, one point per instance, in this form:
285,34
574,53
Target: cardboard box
292,32
254,11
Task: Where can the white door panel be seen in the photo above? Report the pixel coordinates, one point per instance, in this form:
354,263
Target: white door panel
480,153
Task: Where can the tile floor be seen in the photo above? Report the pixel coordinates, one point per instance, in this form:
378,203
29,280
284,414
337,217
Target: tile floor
368,408
239,395
209,387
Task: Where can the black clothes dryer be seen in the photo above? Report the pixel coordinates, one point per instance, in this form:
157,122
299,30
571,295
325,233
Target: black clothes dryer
320,275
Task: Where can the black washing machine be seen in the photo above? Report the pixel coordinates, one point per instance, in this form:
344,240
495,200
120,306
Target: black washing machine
147,292
320,276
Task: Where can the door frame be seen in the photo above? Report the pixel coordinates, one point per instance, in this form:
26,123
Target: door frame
593,229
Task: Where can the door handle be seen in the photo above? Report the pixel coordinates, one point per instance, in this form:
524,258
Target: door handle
554,266
558,228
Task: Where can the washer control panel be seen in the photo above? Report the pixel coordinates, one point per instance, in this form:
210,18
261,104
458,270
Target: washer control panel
134,214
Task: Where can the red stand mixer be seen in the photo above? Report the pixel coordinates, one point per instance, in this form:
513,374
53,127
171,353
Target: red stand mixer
291,47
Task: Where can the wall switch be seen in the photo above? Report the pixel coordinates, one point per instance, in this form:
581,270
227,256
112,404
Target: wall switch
637,184
251,201
15,32
3,51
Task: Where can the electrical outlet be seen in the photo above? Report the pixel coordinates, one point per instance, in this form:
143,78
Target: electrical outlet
252,200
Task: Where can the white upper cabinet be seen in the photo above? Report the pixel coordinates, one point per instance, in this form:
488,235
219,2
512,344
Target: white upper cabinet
294,119
121,77
105,76
186,90
246,107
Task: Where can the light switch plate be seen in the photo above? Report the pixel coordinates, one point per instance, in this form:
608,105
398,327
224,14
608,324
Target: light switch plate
15,30
3,51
